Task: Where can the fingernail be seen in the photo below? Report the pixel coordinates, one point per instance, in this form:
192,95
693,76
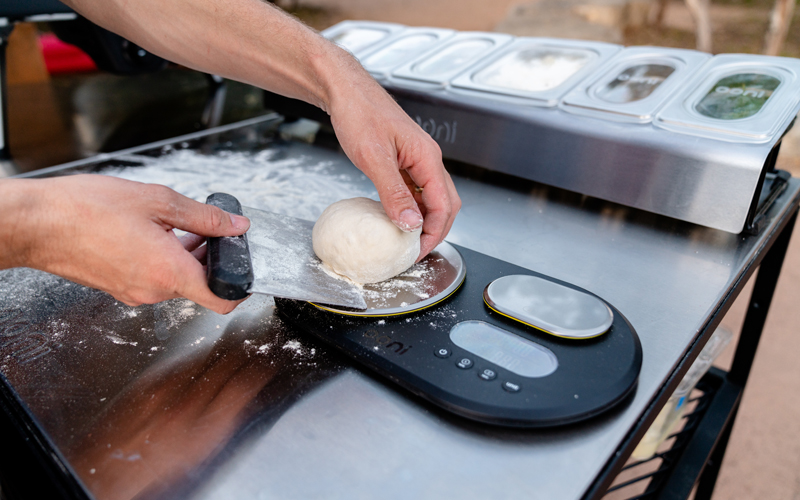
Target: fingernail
240,222
409,220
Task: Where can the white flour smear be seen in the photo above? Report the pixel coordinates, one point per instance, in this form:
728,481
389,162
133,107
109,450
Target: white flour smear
412,286
416,284
176,312
298,186
22,288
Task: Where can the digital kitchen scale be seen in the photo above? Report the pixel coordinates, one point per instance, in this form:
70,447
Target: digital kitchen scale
504,345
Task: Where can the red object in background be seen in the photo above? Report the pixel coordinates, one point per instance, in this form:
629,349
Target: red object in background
61,58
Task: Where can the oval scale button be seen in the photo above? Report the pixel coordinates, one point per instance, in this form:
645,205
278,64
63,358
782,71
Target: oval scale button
548,306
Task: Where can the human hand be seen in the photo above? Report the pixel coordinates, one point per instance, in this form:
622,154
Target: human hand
259,44
114,235
396,154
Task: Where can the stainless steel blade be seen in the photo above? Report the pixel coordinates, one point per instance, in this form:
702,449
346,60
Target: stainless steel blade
284,263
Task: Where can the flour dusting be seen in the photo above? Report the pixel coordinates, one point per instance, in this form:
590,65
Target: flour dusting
298,186
416,284
119,341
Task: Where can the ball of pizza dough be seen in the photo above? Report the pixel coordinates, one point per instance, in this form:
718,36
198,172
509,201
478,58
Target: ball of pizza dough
356,239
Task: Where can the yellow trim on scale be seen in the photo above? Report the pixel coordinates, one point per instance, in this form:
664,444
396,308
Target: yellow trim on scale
337,311
541,329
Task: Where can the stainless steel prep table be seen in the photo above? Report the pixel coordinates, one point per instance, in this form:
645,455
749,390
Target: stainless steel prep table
172,401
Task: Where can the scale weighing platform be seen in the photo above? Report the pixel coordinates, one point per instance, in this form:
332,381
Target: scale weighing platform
504,345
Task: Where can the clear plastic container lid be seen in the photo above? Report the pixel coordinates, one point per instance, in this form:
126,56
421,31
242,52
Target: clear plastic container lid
454,57
356,39
634,84
540,70
399,51
534,69
359,36
439,65
737,98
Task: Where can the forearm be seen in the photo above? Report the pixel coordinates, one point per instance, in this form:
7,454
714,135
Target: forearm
19,200
245,40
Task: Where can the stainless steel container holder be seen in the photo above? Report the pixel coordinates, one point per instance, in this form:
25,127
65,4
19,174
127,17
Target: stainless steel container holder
678,163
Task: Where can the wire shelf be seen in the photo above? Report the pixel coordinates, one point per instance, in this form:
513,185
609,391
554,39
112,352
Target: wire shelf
643,479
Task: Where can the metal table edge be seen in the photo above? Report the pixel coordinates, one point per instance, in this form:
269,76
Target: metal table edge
44,172
39,443
615,463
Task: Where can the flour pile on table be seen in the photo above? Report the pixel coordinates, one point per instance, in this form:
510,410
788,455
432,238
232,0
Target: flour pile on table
298,186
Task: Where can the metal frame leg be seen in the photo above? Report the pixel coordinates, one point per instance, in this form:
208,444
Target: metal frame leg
760,301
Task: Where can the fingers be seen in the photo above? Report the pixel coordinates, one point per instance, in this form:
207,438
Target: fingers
200,254
198,218
418,163
455,202
397,201
430,241
185,278
415,191
439,198
400,205
201,221
192,242
381,167
194,287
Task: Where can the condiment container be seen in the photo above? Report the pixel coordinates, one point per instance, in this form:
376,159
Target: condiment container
435,69
537,70
357,37
737,98
633,85
402,47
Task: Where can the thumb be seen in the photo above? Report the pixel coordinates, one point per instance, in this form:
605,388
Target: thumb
398,202
205,220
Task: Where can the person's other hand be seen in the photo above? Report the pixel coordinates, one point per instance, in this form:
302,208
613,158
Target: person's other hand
115,235
397,155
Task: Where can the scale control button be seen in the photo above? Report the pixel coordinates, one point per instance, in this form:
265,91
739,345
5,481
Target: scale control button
464,363
511,386
487,374
442,352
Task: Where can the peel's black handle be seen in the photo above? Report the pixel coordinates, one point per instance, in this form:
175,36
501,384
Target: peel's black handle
230,269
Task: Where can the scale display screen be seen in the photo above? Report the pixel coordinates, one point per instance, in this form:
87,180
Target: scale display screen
399,52
356,39
505,349
635,83
737,96
534,69
453,57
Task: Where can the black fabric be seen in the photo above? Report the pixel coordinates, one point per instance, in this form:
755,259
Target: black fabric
108,50
18,9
